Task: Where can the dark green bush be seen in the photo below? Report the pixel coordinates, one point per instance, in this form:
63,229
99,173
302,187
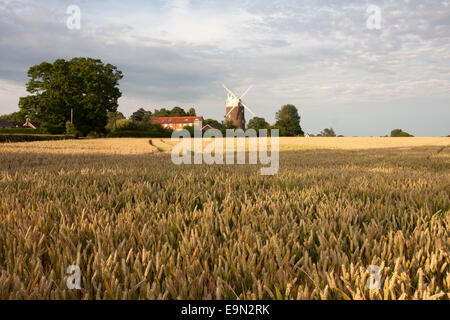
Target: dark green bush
400,133
70,129
135,129
140,134
29,137
23,131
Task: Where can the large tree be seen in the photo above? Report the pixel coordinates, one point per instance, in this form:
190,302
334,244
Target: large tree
85,85
288,121
177,112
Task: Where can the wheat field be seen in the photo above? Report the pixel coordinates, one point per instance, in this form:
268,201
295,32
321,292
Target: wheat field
140,227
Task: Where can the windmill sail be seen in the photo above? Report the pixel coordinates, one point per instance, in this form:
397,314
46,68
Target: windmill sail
235,108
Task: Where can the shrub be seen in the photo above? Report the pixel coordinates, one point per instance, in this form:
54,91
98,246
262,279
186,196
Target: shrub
70,129
327,132
119,124
31,137
94,134
400,133
23,131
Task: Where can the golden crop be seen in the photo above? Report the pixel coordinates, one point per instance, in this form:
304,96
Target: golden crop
140,227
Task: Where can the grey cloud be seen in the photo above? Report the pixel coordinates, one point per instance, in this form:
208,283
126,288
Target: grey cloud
312,53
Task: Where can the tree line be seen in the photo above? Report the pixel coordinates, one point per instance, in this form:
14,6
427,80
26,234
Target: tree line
287,120
80,96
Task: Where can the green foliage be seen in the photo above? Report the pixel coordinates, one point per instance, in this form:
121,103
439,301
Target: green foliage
213,123
123,123
258,124
23,131
114,118
15,137
191,112
70,129
400,133
288,121
327,132
30,108
15,118
150,133
128,128
95,134
86,85
228,124
175,112
148,118
162,113
140,115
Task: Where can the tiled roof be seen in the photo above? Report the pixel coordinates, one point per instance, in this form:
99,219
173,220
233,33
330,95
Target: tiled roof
34,124
167,120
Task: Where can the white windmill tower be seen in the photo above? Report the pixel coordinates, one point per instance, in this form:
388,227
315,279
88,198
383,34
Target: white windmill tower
235,108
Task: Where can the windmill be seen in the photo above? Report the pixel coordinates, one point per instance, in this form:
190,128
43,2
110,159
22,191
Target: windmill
235,108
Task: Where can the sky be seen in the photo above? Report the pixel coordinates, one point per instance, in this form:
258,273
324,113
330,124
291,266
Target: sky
331,59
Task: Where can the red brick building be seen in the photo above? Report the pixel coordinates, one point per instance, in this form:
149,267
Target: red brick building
210,127
178,123
31,125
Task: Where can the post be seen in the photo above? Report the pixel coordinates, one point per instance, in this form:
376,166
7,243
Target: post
71,115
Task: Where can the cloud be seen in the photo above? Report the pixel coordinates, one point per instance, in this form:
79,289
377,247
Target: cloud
9,93
317,54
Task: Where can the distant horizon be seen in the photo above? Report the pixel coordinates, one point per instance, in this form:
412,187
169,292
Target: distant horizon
324,58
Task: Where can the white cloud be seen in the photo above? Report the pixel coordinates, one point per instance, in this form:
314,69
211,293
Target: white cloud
316,54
